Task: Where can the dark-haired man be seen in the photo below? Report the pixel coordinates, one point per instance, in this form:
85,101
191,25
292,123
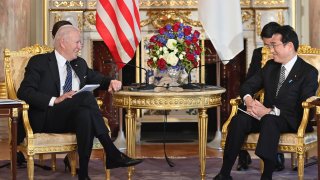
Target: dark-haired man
287,81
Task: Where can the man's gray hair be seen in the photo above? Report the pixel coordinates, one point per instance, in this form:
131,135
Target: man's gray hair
63,33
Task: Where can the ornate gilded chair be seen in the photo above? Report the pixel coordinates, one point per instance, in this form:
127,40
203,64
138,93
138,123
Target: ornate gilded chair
295,143
38,143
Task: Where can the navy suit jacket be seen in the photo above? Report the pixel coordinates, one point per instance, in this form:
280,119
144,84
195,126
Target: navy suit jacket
300,84
42,82
255,64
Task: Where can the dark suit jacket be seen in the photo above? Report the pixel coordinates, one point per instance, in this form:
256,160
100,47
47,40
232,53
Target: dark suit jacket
41,82
300,84
255,64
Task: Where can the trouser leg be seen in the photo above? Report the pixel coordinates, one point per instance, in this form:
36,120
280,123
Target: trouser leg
240,126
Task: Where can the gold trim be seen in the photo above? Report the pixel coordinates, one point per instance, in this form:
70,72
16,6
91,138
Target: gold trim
293,14
245,2
258,22
161,3
67,4
269,2
159,18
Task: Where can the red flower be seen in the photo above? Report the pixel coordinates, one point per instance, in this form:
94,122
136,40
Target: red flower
190,57
161,63
162,30
196,34
153,38
195,39
175,27
187,31
150,63
195,64
188,42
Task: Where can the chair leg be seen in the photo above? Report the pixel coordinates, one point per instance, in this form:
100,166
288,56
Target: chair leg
300,157
261,166
293,160
41,159
30,166
53,162
73,162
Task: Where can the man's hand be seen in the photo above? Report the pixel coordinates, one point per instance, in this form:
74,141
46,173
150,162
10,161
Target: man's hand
114,86
259,110
64,96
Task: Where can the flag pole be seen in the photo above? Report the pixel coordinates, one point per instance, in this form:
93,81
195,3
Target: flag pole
216,142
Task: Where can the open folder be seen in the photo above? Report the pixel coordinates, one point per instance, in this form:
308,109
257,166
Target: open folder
88,87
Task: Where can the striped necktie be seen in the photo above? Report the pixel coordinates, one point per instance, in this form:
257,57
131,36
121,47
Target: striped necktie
281,78
68,83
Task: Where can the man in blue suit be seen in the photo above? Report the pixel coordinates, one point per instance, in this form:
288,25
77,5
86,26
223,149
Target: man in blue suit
287,81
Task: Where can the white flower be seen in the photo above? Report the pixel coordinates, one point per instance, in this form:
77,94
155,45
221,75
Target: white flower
180,56
164,48
171,44
171,58
154,59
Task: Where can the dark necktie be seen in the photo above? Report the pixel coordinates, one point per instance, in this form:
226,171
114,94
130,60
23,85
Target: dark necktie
281,78
68,83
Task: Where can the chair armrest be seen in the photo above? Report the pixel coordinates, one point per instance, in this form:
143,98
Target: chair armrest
306,105
234,108
26,123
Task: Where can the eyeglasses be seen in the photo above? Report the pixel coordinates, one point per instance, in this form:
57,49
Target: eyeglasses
272,46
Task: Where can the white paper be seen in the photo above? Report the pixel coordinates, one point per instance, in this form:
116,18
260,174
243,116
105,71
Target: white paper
88,87
10,101
248,113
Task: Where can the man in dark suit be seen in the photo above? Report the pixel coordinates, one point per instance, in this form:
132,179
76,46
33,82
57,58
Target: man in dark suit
255,65
49,86
287,81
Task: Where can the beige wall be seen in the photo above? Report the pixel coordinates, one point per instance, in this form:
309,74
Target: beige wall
314,11
14,26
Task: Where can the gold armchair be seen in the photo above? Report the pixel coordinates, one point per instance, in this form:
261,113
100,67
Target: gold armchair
295,143
38,143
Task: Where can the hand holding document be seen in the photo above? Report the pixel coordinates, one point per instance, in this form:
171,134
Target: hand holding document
88,87
258,118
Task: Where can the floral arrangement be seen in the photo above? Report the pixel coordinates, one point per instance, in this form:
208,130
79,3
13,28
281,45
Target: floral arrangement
174,46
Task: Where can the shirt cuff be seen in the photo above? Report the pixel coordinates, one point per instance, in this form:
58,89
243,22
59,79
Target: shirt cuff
275,111
51,103
244,97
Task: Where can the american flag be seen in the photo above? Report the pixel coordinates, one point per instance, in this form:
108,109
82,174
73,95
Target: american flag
118,23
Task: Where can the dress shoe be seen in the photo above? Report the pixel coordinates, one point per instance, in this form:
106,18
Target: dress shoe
222,177
243,161
279,162
122,161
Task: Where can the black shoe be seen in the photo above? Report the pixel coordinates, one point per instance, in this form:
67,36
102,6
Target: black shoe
67,165
279,162
222,177
243,161
123,161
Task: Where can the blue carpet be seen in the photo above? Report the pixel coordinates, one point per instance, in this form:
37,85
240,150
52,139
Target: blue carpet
157,169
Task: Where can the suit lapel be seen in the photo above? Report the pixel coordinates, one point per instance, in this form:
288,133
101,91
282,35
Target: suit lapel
54,70
76,68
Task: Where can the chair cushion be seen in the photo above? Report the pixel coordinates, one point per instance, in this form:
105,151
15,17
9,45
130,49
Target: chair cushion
286,138
53,139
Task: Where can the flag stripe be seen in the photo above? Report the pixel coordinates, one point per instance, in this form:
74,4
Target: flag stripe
118,23
113,17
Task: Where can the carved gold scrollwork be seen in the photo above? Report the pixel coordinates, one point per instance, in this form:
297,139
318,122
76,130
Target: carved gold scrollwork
161,18
244,2
91,18
160,3
269,2
66,4
246,15
92,4
258,22
280,17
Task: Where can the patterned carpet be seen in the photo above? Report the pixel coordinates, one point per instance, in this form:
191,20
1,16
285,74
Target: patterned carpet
158,169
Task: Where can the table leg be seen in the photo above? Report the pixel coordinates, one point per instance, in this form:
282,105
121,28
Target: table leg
130,129
14,127
203,131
